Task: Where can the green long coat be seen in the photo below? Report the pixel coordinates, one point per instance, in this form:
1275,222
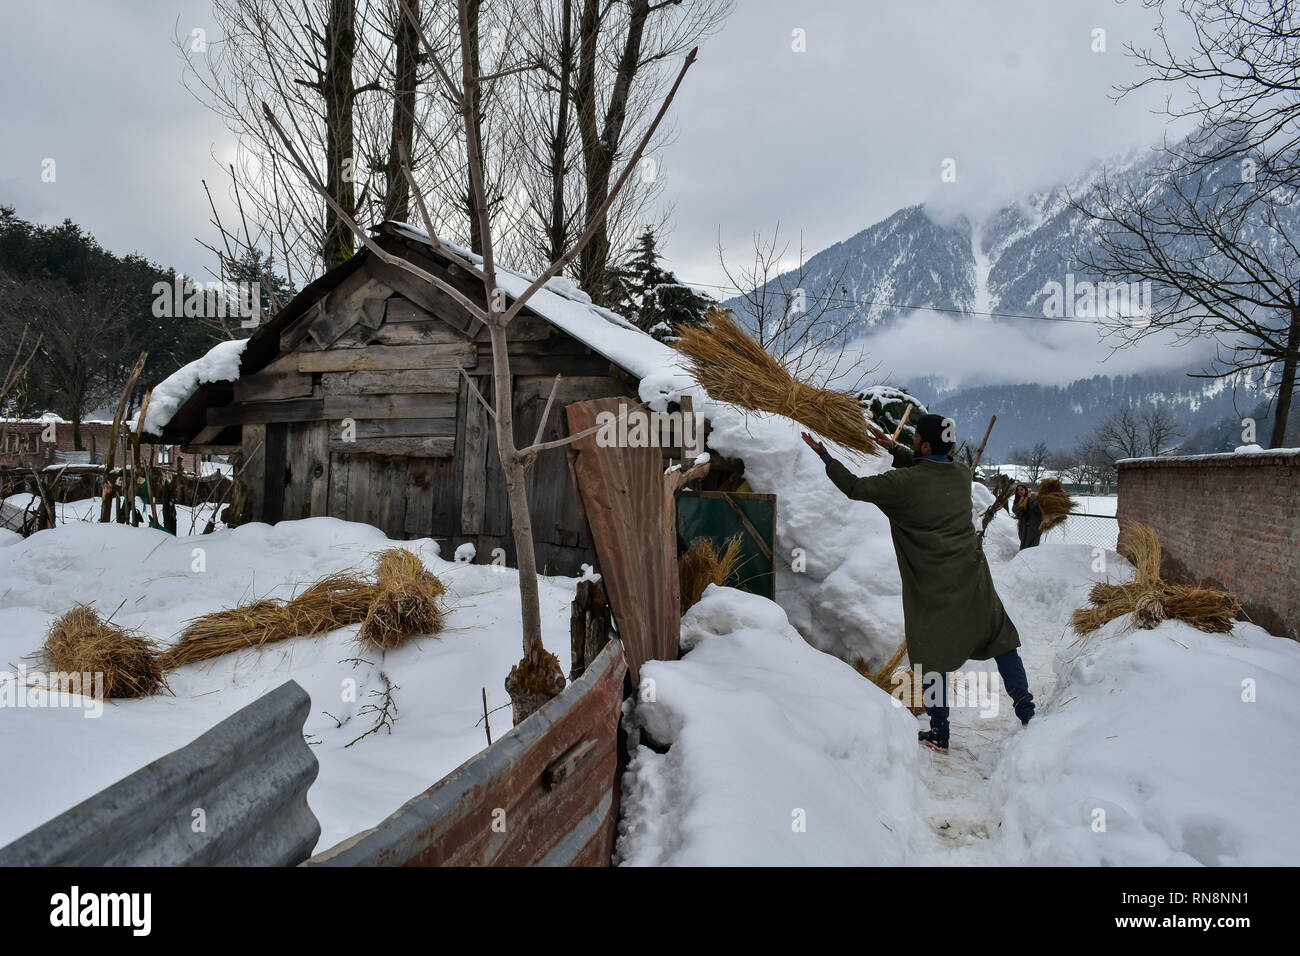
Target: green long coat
951,612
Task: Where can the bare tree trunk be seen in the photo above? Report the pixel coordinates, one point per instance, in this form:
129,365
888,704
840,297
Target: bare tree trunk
600,143
538,676
1287,389
558,232
475,93
397,201
340,94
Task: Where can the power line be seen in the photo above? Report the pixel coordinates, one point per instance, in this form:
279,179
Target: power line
905,307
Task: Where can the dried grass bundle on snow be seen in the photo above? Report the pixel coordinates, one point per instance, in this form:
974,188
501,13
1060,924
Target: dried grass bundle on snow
394,601
1148,600
734,368
80,642
1054,503
407,602
703,564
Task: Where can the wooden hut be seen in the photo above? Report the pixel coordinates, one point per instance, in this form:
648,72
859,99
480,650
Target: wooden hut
351,403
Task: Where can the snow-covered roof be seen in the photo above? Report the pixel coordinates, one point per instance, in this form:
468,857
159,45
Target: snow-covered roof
570,309
220,364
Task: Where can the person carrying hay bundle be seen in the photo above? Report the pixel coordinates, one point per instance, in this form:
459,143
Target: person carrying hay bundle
951,611
1029,517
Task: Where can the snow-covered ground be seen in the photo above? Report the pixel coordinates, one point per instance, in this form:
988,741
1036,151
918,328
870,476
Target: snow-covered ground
1167,747
58,757
1161,747
189,520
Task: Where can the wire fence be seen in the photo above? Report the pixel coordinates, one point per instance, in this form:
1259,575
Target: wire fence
1097,530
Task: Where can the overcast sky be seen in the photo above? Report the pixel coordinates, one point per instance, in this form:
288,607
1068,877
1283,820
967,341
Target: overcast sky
826,141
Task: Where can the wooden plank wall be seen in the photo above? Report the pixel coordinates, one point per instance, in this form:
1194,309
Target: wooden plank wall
555,778
385,355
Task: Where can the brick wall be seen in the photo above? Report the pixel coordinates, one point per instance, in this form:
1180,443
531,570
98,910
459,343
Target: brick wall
1226,521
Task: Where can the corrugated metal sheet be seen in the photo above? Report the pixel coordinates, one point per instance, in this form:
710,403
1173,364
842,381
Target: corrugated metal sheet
544,794
248,776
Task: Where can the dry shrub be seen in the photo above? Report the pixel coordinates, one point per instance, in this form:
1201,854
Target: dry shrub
1148,600
734,368
407,602
1054,503
80,642
703,564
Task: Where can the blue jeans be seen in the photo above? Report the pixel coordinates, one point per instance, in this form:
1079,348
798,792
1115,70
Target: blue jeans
1012,670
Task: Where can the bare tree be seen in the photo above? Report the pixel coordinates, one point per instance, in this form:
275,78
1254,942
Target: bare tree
613,102
1159,429
538,673
1121,435
79,336
1215,233
1237,70
806,323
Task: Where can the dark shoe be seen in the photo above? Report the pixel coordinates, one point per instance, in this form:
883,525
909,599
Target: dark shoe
1024,708
929,738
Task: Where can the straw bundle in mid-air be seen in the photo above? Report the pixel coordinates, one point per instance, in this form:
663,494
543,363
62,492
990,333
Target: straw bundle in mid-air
80,642
703,564
733,368
1148,600
1054,503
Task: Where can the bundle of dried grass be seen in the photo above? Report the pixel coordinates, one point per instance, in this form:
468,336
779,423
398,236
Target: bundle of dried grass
1054,503
1141,546
905,684
703,564
80,642
1147,600
407,602
734,368
322,608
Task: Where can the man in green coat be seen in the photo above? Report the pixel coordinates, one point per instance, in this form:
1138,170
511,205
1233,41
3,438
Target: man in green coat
951,612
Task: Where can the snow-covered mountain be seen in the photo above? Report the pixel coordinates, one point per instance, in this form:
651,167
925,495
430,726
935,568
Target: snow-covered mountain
1020,260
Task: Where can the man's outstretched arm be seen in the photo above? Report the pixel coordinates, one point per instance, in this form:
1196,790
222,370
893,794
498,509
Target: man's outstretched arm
884,491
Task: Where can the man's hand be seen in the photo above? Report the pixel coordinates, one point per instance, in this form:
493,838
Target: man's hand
814,444
883,439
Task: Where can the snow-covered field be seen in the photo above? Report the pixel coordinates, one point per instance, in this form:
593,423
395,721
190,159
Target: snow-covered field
58,757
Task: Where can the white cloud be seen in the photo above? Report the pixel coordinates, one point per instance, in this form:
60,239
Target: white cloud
970,352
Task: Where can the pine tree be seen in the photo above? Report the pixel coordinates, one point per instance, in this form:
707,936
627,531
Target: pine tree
651,296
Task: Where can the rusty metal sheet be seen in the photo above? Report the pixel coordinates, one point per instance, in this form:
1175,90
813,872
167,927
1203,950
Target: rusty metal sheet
511,805
632,516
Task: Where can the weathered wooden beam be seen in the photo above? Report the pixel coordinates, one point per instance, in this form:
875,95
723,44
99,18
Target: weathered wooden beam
428,332
381,357
396,447
406,381
273,386
210,449
293,410
337,407
402,428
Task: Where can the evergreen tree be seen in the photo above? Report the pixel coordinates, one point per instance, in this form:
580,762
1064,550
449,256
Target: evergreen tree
651,296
